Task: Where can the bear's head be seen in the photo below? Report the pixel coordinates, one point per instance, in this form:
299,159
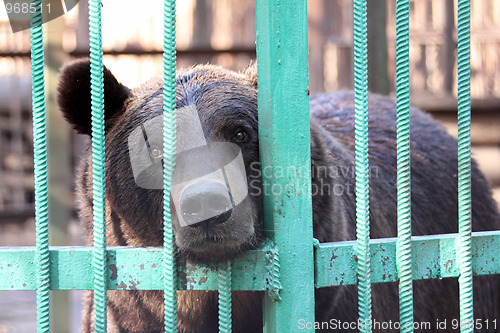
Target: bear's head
215,191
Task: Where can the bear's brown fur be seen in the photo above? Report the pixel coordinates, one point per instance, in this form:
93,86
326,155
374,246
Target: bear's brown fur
227,101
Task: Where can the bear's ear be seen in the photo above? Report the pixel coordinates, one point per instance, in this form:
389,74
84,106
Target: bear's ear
73,95
250,73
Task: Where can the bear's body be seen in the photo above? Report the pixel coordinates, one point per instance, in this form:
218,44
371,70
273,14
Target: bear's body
226,103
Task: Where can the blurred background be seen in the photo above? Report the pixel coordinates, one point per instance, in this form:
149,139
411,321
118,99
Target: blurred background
220,32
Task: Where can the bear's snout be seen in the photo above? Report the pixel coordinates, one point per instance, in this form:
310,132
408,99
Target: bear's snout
206,204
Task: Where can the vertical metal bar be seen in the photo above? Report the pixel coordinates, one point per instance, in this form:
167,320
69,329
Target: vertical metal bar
282,57
362,168
464,168
169,148
40,160
98,165
224,275
403,246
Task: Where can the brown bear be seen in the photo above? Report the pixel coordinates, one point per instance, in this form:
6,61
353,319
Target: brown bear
222,104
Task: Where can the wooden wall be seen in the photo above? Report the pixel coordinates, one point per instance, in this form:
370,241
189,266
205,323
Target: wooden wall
223,32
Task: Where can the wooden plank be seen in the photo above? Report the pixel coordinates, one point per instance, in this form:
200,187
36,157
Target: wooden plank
59,170
378,79
317,35
488,158
485,127
496,195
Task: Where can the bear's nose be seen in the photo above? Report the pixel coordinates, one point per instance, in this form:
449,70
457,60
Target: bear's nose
205,204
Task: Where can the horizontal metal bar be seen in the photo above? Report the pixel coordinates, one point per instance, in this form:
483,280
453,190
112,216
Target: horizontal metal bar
140,267
19,215
129,268
432,257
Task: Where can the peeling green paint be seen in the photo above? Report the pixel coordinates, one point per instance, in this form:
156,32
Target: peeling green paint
432,257
335,265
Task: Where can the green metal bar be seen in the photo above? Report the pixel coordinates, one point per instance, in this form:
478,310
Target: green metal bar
224,276
362,167
140,268
432,257
128,268
403,247
98,167
464,168
282,58
42,268
169,159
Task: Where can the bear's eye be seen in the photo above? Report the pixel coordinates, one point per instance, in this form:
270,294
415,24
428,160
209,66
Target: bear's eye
155,153
240,135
